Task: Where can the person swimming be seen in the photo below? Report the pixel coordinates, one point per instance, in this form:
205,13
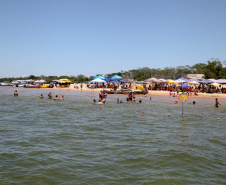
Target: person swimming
62,97
134,99
56,98
41,96
15,93
100,102
175,102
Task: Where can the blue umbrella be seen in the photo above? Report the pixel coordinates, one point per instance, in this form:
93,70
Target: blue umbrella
106,79
116,77
185,86
100,77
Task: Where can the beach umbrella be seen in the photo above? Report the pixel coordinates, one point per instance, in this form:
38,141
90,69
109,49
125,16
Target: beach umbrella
172,82
116,77
215,84
193,83
100,77
185,86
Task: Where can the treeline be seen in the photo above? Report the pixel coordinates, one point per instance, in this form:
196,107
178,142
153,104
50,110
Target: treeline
210,69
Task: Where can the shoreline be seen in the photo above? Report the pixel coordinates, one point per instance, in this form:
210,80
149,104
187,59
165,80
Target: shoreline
150,92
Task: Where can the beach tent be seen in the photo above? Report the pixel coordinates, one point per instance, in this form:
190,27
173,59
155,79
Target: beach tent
40,81
221,81
181,80
163,80
29,81
126,81
209,81
98,80
100,77
155,80
64,81
106,79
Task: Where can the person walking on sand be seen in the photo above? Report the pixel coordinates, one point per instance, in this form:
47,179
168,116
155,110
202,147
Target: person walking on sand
81,85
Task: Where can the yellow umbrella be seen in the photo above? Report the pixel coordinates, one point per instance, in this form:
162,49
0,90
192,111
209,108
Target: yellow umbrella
194,83
172,82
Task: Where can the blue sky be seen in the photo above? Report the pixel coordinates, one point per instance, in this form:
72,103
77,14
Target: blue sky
89,37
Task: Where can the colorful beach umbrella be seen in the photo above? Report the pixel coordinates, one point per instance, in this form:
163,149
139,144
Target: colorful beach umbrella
194,83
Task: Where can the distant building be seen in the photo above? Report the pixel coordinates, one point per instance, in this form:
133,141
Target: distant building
195,76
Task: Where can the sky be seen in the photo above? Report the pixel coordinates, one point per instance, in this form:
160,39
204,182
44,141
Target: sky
89,37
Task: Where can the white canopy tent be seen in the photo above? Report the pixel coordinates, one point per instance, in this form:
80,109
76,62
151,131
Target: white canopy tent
98,80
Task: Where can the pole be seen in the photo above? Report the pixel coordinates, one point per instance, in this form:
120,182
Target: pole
182,107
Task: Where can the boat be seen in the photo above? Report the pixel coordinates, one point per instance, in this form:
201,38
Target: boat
6,83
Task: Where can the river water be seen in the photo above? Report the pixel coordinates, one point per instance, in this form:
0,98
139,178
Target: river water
73,141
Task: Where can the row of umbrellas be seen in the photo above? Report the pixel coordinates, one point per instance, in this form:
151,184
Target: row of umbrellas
184,80
156,80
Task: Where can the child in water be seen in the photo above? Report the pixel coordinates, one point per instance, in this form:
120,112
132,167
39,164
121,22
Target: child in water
175,102
217,103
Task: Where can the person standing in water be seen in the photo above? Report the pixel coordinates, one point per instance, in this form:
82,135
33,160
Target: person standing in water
50,95
15,93
217,103
56,98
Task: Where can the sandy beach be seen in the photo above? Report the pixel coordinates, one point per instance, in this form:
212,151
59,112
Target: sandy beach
150,92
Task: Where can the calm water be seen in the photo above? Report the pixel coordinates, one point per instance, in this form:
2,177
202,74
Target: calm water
75,142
